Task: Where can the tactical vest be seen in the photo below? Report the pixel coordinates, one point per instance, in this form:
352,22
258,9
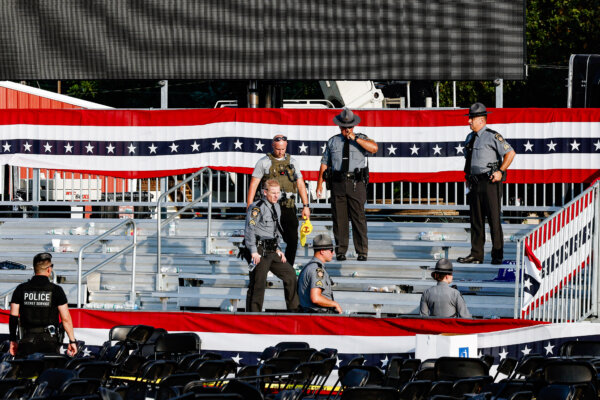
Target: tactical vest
37,310
283,172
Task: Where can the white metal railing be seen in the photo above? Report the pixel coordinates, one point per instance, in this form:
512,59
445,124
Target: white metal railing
30,189
160,223
557,279
132,246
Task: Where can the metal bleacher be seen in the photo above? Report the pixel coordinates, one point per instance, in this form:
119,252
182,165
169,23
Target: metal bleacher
389,283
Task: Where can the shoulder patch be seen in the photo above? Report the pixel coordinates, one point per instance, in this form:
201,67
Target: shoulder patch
506,146
499,137
319,283
252,222
255,212
320,272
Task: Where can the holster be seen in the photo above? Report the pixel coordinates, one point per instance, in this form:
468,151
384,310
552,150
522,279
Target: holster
244,253
267,244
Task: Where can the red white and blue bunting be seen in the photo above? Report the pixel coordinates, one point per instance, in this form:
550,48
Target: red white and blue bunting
552,145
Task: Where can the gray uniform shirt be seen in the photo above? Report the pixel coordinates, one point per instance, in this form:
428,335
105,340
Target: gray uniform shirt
489,147
334,153
264,164
443,301
314,275
261,223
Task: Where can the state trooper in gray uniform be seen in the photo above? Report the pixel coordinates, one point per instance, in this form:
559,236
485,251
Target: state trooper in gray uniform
280,166
488,155
261,237
442,300
347,175
314,284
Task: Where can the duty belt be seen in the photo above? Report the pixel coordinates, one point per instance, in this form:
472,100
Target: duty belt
50,329
341,176
267,244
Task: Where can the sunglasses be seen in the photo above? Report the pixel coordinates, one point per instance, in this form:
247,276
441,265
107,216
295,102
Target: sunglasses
280,138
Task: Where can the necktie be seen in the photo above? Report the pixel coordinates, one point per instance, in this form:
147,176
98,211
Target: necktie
276,218
346,156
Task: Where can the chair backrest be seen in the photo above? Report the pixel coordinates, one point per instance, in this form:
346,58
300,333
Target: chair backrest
354,377
94,369
80,387
158,369
568,372
302,355
292,345
178,343
50,381
453,368
529,364
119,333
590,348
139,334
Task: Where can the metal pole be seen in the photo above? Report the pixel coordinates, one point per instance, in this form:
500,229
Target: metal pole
164,94
437,94
253,94
132,297
35,191
208,245
499,92
454,94
408,94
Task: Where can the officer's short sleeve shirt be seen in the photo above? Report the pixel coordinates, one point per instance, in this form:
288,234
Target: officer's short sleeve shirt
313,276
334,153
489,147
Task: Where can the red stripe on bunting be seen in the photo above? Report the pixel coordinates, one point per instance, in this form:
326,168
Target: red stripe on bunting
286,324
380,118
514,176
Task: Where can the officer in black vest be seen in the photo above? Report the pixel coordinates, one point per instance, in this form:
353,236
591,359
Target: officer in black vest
488,156
344,163
34,311
280,166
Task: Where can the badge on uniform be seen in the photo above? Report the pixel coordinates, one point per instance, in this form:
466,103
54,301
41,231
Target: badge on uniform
499,137
506,146
320,273
319,283
252,222
255,212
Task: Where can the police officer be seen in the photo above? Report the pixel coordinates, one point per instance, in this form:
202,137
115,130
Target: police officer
261,237
314,284
284,169
442,300
344,161
488,156
34,310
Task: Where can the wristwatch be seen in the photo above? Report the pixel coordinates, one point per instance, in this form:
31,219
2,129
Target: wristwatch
73,341
305,205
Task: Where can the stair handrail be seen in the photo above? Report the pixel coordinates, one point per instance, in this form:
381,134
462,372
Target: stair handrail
133,246
160,223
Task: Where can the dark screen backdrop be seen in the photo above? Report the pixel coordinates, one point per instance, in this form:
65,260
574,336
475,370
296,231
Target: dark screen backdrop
262,39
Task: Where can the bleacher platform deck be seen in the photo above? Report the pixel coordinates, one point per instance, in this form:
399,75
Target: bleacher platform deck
389,283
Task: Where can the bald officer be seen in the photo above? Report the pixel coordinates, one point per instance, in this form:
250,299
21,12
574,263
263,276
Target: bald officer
344,160
261,237
314,284
488,156
442,300
284,169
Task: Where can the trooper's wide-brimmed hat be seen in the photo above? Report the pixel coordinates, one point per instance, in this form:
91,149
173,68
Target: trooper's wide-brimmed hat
322,242
477,110
443,266
346,119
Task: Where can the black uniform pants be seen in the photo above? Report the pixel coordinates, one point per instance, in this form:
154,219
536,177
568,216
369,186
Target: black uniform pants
38,343
348,200
485,201
270,261
289,224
